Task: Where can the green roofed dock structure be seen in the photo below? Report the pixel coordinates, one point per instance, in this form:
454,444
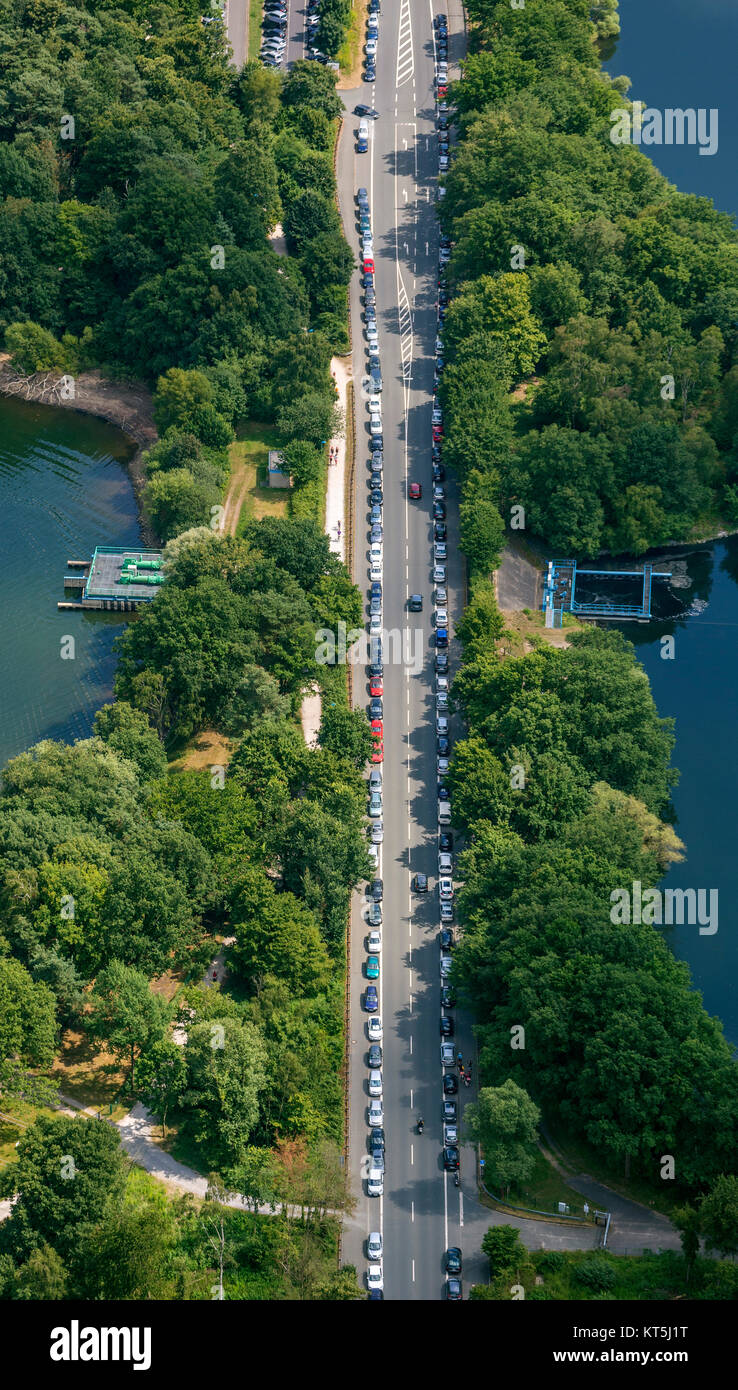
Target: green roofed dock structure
118,578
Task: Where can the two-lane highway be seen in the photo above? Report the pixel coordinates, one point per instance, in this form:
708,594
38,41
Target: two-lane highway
421,1210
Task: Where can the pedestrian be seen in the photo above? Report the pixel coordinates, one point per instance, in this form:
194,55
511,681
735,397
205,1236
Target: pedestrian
461,1073
467,1079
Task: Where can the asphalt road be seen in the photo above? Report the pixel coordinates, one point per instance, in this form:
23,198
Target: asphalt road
421,1212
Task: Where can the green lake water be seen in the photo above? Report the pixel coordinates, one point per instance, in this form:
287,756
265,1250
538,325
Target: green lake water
63,490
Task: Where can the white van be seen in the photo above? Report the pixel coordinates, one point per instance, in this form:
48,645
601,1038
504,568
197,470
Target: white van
444,813
363,130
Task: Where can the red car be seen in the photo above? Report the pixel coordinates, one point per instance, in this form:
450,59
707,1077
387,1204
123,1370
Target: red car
378,753
415,491
375,686
368,266
377,729
442,93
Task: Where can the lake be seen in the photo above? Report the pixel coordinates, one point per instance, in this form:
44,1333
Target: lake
682,54
63,489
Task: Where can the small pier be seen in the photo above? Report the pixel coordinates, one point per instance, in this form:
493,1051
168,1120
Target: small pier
560,593
116,579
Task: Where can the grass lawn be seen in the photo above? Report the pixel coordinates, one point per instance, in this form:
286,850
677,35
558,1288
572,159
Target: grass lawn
580,1157
89,1076
206,749
15,1118
349,54
255,10
544,1189
249,456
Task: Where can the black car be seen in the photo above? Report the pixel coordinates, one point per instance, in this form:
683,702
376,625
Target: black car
445,840
376,463
446,942
447,1027
453,1260
450,1155
374,1058
367,111
443,745
453,1290
376,890
450,1083
439,473
375,496
415,603
377,1296
376,708
443,792
440,531
376,668
448,998
439,511
376,1140
419,883
441,663
449,1111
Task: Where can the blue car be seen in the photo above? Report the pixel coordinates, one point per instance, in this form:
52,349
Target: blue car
371,1002
370,74
362,146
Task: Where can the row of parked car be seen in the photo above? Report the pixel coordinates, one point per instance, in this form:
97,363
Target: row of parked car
372,41
274,24
447,940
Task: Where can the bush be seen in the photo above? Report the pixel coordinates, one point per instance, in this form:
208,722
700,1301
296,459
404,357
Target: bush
595,1273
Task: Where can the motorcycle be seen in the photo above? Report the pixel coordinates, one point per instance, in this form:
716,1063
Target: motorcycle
421,1126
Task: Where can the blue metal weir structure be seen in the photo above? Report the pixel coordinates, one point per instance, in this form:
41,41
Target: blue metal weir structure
560,593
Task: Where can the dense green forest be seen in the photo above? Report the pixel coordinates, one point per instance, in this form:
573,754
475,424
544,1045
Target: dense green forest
139,246
561,787
140,178
579,271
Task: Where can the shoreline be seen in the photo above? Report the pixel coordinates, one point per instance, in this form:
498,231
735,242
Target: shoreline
127,407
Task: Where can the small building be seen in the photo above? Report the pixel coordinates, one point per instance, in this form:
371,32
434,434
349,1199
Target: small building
276,475
117,577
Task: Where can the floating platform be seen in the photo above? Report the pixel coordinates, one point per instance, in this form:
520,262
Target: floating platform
560,593
117,579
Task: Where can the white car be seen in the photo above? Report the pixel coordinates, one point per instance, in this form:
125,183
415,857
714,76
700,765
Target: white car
375,1182
442,727
363,130
442,683
442,766
375,552
375,624
441,617
377,832
376,1111
441,191
439,344
448,1056
446,962
373,852
372,340
375,573
367,246
442,166
374,1028
374,942
445,867
371,48
439,574
450,1136
375,423
374,1277
446,888
437,416
374,1245
374,404
375,1082
441,700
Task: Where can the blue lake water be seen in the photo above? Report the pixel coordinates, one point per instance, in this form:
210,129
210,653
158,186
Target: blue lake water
682,53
